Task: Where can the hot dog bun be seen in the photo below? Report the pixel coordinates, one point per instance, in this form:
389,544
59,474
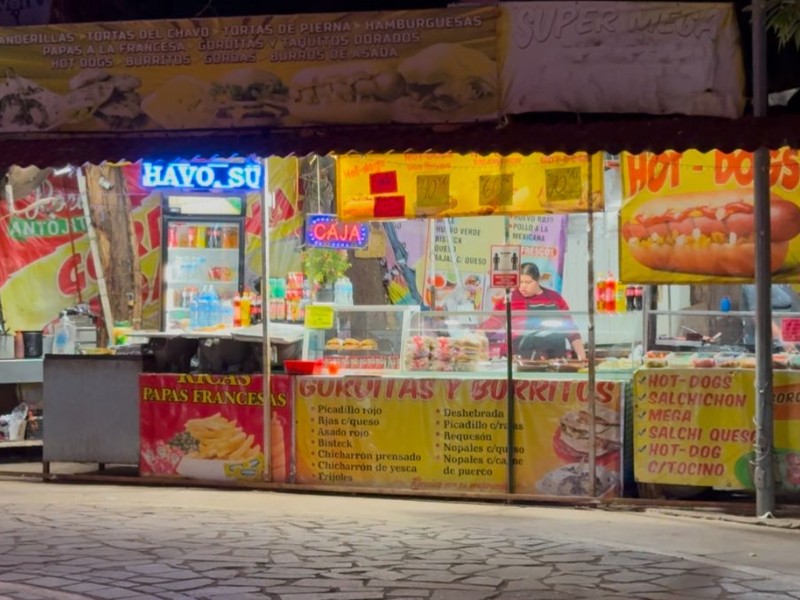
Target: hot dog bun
708,234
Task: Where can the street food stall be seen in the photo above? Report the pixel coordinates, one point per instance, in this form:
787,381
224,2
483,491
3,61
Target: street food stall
695,395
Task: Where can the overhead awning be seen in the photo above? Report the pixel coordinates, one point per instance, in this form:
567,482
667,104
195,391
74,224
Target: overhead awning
600,133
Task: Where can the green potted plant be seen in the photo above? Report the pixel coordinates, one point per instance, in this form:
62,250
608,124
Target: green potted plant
323,266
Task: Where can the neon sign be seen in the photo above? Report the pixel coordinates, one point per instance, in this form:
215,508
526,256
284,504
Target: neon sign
325,231
203,176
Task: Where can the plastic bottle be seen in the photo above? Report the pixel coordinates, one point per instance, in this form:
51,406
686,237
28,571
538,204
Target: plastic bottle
194,313
638,298
348,291
245,309
630,292
64,337
725,304
600,295
340,292
19,345
611,293
226,313
622,305
203,308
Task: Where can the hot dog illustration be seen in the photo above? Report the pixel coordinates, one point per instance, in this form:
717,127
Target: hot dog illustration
708,234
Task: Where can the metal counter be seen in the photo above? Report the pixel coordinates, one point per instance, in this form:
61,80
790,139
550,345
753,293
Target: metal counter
21,370
91,409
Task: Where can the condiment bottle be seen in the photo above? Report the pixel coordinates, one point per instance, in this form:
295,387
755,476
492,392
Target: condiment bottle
611,294
245,309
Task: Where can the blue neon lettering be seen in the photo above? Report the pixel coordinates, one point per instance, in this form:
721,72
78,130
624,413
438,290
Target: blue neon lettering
218,176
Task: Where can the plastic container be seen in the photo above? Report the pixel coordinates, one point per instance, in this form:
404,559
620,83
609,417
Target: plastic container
65,334
303,367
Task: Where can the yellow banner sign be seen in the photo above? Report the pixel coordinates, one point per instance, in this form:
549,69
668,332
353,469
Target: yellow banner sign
695,427
451,185
427,434
349,68
689,217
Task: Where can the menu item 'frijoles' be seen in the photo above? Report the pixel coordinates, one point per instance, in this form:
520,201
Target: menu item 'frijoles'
576,426
250,96
357,92
708,234
447,82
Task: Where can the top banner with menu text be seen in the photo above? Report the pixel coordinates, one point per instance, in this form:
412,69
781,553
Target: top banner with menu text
689,217
340,68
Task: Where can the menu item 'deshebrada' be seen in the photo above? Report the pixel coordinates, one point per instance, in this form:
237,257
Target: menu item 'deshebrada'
708,234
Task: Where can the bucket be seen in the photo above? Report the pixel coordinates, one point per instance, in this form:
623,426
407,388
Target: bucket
33,341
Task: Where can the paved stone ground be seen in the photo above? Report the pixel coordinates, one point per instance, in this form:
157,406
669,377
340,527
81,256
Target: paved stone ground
69,542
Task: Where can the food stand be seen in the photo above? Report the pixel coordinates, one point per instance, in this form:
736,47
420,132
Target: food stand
695,395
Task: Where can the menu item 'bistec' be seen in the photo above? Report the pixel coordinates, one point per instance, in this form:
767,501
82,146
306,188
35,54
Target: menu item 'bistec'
356,92
708,234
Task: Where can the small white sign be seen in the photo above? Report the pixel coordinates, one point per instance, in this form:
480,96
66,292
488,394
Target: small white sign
504,268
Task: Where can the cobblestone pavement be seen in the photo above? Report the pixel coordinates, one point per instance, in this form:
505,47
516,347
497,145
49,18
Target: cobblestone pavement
69,542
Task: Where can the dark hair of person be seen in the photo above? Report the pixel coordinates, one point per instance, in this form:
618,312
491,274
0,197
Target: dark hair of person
531,270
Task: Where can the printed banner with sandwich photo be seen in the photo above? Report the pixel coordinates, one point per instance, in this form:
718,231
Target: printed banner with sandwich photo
341,68
689,217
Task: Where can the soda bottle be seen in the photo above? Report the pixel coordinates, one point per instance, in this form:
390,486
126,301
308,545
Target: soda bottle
600,295
245,309
237,310
622,305
638,298
611,294
630,292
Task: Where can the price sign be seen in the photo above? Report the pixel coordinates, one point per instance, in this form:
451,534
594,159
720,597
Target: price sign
319,317
496,190
383,183
563,184
433,191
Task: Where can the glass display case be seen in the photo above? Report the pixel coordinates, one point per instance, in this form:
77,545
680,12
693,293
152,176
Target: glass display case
362,338
709,339
541,341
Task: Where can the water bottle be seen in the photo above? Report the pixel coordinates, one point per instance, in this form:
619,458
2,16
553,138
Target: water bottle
194,313
348,291
725,304
340,292
203,308
215,307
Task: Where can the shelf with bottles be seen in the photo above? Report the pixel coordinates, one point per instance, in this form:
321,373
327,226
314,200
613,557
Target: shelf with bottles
612,296
202,236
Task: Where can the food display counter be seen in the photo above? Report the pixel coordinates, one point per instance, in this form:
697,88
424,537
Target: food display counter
440,421
693,413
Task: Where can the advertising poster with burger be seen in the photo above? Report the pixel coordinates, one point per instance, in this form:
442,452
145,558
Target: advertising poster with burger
211,427
554,425
236,72
689,217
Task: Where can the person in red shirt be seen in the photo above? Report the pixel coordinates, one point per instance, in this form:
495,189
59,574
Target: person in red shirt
535,334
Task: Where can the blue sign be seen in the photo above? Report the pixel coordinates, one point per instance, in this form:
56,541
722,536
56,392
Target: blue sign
203,176
326,231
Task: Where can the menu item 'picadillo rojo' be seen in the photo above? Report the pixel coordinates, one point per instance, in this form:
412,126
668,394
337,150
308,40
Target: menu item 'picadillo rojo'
356,92
708,233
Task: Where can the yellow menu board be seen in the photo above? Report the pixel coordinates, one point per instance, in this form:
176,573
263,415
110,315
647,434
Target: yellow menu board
451,434
395,186
695,427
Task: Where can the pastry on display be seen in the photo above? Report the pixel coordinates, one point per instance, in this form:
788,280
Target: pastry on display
368,344
419,352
